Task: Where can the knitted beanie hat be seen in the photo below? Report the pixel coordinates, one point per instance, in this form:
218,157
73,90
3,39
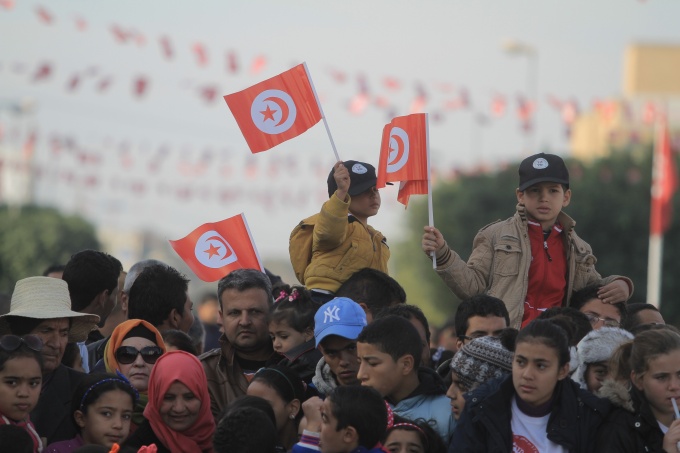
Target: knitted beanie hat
598,346
481,360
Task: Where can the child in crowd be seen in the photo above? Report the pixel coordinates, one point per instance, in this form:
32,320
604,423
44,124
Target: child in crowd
245,430
416,317
389,351
477,362
351,419
640,315
537,408
343,242
102,408
284,390
646,420
291,326
531,261
20,382
594,353
406,436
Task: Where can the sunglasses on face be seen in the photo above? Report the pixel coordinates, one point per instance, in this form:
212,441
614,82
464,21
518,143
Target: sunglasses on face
11,343
126,355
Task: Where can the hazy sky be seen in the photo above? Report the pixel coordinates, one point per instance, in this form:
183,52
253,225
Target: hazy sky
443,46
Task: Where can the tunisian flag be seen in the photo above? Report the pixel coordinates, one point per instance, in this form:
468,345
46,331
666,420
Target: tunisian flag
215,249
664,182
275,110
404,155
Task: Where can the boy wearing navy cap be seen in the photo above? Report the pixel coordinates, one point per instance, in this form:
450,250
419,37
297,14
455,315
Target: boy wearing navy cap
533,260
343,242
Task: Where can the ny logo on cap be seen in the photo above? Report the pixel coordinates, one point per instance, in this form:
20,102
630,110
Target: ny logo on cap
331,314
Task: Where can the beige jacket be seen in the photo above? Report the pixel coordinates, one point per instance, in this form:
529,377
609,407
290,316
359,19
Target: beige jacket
500,260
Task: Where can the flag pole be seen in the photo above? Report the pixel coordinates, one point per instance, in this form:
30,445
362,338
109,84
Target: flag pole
323,115
655,254
429,185
259,260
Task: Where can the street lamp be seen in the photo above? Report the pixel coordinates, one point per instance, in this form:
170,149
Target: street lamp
514,47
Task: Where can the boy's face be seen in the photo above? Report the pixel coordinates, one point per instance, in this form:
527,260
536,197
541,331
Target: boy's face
600,314
544,201
596,373
366,204
378,369
341,356
333,440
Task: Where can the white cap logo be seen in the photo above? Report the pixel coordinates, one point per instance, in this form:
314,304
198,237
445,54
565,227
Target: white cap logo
331,314
359,169
213,251
398,149
540,164
273,111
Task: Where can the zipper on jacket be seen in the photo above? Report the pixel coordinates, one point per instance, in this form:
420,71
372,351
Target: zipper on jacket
545,247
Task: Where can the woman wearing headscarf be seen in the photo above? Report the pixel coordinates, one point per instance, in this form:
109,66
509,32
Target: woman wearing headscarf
134,348
178,416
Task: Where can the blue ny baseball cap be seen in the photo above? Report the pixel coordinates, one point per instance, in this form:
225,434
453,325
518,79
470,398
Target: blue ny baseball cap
342,317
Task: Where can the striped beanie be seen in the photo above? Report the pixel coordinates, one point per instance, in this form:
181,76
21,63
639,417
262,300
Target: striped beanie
481,360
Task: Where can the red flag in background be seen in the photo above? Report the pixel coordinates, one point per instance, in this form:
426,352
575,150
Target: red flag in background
664,181
275,110
215,249
404,155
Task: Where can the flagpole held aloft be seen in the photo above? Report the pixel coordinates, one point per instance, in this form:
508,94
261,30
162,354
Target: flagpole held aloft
250,235
323,115
430,209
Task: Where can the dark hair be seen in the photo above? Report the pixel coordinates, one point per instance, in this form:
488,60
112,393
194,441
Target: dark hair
21,325
180,340
137,269
197,335
650,344
88,273
550,333
71,354
250,401
245,430
395,336
277,283
582,296
244,279
157,290
297,313
15,439
580,326
53,268
429,438
285,382
481,305
93,386
632,320
372,287
363,409
409,312
21,351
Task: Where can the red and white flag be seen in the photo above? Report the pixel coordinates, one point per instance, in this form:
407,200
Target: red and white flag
404,155
664,182
213,250
276,109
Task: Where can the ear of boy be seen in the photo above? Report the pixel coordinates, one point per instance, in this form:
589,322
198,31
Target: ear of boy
351,438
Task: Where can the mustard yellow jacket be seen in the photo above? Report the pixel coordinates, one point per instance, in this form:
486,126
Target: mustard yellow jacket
341,246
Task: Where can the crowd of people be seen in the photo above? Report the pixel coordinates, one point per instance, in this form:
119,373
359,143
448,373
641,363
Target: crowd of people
542,354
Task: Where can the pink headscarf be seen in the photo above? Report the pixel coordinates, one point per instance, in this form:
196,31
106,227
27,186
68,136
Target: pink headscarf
187,369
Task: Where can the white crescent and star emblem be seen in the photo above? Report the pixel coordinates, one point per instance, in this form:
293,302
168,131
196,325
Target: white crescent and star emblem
398,149
273,111
213,251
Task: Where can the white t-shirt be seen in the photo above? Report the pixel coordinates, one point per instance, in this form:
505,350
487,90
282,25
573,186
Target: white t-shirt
529,434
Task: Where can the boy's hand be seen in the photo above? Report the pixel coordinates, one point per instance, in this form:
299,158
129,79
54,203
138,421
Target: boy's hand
614,292
433,241
341,176
312,411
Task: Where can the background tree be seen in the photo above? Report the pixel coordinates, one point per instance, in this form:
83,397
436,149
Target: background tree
610,203
32,238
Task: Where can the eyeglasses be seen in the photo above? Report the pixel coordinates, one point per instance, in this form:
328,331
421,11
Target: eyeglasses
126,355
608,322
11,343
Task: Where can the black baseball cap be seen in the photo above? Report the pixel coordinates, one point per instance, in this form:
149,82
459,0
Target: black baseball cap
542,168
362,177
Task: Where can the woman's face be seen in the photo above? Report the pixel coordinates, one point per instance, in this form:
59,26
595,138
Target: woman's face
535,372
660,383
180,408
404,441
138,371
282,411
